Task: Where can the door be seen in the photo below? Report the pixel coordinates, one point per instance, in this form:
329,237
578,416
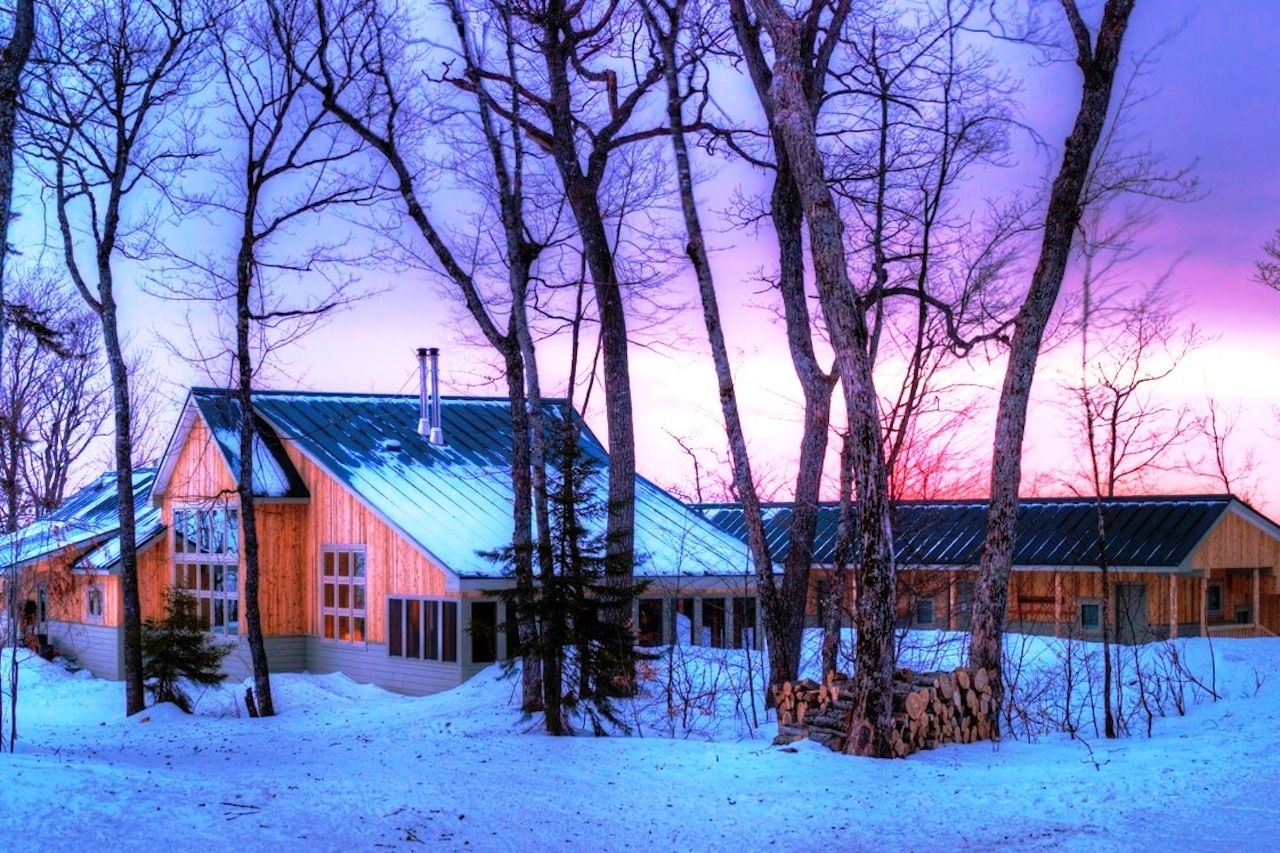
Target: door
1131,613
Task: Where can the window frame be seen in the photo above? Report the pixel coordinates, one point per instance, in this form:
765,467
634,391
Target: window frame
1215,587
92,591
915,612
351,612
191,569
440,621
1081,605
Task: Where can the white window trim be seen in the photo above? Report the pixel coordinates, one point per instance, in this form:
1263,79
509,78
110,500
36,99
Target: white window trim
351,612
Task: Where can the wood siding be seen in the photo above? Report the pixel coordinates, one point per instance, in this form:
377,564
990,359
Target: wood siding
336,517
1237,544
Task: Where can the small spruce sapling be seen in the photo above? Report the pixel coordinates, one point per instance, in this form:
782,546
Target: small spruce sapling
177,649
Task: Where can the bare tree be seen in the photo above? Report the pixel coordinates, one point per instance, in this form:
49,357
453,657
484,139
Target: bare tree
13,59
1098,57
1230,468
111,110
1268,268
358,67
286,165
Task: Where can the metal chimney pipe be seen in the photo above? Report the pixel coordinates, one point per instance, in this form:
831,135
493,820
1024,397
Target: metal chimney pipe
424,402
436,434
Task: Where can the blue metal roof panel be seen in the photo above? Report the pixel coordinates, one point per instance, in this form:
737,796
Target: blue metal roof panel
274,476
1157,532
454,501
88,517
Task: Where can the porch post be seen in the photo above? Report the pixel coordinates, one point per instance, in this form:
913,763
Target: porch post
1257,596
1204,604
951,601
1173,607
730,638
696,640
1057,604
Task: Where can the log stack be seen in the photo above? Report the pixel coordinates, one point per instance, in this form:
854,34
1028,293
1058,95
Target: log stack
929,709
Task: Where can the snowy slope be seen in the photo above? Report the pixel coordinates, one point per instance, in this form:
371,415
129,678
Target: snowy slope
349,767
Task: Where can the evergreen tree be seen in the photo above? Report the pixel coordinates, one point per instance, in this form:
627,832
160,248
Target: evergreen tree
570,607
177,649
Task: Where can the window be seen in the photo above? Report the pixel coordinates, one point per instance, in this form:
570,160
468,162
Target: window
713,623
924,611
42,603
422,629
484,631
650,627
1242,615
93,603
1213,599
342,597
1091,615
206,564
744,623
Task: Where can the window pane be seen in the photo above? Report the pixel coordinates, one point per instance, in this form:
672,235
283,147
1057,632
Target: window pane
449,632
684,621
744,622
713,623
357,596
344,597
395,627
357,632
484,632
357,560
344,565
233,532
217,578
430,642
233,616
344,628
328,594
328,627
413,629
206,614
328,564
650,628
204,577
232,581
219,617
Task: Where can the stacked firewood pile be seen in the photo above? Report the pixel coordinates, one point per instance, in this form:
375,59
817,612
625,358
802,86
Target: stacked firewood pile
929,708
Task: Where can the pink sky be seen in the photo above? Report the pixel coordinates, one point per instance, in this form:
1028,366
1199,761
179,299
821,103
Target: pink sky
1214,102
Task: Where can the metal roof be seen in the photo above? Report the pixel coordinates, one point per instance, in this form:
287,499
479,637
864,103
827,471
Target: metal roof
454,501
1142,532
274,476
88,519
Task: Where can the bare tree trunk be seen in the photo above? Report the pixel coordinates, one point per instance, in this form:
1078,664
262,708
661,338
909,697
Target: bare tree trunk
785,626
875,572
248,500
666,32
131,608
1098,62
838,583
13,59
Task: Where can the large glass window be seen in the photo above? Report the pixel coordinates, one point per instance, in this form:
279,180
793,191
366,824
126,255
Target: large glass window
422,629
206,563
342,594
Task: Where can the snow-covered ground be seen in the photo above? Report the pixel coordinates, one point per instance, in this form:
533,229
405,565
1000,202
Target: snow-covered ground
349,767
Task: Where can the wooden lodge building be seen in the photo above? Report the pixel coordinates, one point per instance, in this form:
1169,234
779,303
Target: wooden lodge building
372,537
1181,566
376,512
